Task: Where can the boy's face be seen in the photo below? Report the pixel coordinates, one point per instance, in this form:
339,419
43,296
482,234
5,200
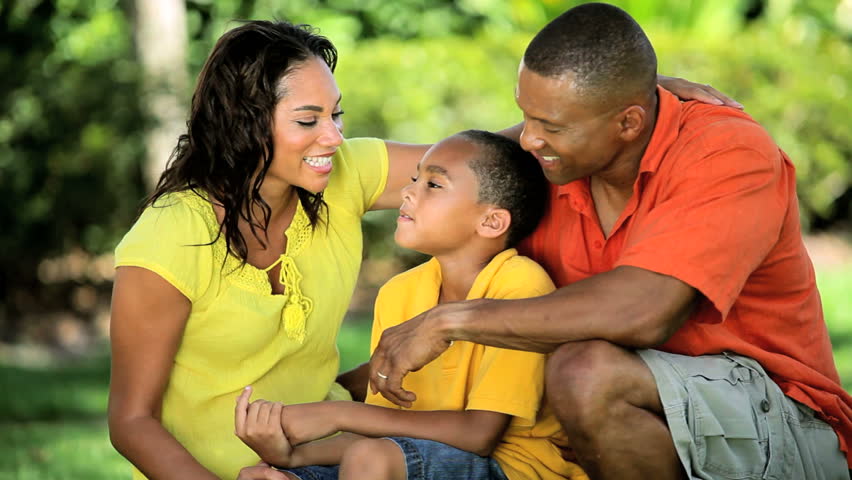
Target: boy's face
440,208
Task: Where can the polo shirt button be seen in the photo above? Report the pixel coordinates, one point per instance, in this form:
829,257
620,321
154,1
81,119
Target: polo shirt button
598,244
764,405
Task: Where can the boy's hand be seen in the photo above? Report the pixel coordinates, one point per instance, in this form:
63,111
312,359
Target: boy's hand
306,422
258,425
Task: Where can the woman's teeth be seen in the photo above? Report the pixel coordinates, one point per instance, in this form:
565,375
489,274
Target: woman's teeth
318,161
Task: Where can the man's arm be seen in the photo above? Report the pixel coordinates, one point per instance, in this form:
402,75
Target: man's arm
627,306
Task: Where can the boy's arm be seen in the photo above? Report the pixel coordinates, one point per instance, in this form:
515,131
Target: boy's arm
326,451
475,431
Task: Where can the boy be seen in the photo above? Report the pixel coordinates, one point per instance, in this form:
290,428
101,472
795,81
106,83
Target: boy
478,412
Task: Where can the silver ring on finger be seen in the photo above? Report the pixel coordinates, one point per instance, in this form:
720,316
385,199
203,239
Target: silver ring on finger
381,375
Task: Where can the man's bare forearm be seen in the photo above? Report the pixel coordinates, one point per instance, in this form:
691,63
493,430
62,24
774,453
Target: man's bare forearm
628,306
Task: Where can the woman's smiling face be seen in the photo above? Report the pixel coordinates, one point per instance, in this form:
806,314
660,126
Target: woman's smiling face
307,127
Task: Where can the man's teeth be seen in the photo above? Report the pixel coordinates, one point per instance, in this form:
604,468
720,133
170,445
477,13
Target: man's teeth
318,161
550,158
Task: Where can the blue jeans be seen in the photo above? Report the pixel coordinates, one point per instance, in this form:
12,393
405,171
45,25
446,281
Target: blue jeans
424,460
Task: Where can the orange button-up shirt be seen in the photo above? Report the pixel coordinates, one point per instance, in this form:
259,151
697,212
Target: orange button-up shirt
715,206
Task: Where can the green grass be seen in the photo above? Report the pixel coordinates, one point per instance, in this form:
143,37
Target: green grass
52,424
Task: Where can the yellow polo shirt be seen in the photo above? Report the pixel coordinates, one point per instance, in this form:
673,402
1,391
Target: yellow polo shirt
469,376
239,333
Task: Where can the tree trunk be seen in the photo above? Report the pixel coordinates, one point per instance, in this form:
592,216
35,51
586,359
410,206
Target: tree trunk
161,43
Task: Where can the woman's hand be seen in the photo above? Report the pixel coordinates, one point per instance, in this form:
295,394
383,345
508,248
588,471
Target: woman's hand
258,425
261,471
687,90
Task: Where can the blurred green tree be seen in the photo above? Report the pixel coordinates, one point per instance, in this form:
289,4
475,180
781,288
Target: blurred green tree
73,111
70,144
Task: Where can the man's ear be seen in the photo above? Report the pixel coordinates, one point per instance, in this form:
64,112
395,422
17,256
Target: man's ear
494,223
631,122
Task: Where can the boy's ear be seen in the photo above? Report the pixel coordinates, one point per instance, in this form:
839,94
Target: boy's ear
494,223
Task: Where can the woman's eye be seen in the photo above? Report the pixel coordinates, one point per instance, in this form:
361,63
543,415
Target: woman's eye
306,123
337,115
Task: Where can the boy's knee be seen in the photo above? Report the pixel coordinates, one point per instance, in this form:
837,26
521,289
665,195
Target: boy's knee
371,458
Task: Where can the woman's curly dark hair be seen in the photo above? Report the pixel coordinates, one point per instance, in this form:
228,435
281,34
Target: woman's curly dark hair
228,147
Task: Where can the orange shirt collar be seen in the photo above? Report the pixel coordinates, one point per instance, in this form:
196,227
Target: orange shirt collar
665,133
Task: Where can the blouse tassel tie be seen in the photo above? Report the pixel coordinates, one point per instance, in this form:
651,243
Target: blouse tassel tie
297,307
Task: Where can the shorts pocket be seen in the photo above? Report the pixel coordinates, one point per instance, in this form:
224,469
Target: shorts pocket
730,436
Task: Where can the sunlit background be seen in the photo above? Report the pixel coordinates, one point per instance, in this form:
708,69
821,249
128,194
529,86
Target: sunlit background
93,94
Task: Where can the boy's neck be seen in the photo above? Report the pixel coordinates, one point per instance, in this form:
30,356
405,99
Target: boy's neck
460,268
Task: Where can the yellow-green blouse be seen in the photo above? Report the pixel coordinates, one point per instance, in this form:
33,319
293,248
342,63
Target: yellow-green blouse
238,332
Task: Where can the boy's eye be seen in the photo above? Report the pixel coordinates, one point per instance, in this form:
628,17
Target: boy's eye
433,185
413,179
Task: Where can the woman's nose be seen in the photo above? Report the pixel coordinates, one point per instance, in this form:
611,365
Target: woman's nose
332,135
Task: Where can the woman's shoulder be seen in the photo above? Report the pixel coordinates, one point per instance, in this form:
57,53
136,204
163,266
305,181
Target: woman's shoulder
359,175
184,217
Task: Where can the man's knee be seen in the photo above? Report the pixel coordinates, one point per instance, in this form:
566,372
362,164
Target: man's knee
578,367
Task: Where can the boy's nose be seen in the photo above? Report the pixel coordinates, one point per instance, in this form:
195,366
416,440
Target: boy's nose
406,192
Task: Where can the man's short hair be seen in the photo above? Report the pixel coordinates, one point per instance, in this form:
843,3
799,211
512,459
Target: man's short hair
509,177
606,51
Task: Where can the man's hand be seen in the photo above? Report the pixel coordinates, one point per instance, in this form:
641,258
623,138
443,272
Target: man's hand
406,348
258,425
687,90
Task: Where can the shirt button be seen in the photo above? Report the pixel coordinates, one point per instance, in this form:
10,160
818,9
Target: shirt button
764,405
598,244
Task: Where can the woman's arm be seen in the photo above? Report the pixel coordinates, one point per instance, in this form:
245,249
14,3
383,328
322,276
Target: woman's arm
402,165
475,431
148,318
686,90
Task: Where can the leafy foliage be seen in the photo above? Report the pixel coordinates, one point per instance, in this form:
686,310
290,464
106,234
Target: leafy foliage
72,127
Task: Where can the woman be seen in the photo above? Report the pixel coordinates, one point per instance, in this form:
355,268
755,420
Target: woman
240,269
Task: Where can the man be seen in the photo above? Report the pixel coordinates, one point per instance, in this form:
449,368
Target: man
687,336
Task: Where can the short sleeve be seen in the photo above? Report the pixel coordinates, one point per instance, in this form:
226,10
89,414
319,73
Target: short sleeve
171,239
715,223
359,175
509,382
512,381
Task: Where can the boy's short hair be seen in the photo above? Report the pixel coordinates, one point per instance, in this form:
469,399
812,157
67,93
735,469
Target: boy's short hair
509,177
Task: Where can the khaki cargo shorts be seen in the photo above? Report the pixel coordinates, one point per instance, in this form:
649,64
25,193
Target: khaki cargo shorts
728,419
